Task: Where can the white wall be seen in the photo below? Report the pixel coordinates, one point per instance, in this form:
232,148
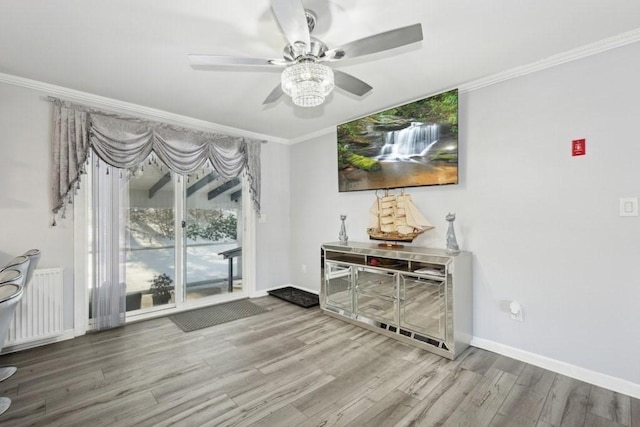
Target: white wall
274,235
543,226
24,187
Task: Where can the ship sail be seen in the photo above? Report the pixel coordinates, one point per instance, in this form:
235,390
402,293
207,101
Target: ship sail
396,218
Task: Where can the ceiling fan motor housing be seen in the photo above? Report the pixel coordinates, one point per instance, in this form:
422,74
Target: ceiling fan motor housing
294,52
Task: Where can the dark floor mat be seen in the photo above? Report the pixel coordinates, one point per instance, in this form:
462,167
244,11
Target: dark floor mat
214,315
296,296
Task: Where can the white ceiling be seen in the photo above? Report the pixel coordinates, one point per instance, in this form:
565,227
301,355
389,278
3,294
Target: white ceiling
136,50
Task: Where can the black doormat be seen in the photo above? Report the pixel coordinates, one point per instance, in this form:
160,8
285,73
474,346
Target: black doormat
296,296
214,315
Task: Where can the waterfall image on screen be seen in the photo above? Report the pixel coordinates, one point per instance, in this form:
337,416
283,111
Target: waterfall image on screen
412,145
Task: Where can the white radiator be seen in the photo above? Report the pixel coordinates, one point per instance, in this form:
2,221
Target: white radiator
39,314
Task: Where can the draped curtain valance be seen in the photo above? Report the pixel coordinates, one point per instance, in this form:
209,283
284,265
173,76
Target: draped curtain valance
125,142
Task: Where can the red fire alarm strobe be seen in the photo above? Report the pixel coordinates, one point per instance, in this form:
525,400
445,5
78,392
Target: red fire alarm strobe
578,147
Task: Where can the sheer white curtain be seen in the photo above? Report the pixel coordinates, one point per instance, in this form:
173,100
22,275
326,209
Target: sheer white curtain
109,211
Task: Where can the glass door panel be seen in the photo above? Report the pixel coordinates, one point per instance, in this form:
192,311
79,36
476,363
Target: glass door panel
422,307
376,295
338,286
213,236
149,241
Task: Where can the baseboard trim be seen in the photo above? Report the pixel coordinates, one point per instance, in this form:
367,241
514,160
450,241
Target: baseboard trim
66,335
592,377
265,292
259,294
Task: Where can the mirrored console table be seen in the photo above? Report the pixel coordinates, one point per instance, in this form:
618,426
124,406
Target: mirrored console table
417,295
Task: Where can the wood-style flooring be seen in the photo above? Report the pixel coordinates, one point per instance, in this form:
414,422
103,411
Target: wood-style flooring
289,367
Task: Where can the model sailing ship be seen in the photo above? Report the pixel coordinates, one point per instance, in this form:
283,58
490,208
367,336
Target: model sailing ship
396,219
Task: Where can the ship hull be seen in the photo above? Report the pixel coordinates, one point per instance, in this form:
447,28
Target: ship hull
391,237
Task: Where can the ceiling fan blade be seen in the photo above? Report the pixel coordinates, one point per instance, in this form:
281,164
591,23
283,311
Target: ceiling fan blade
293,21
351,84
275,94
377,43
233,60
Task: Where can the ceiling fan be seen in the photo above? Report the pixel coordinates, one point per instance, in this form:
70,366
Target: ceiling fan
305,77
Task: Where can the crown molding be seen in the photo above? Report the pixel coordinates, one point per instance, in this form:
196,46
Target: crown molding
555,60
134,109
312,135
600,46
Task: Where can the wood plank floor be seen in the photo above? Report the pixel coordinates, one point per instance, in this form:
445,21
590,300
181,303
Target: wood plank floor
288,367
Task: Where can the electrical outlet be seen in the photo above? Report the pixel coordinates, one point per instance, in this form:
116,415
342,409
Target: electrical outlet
304,268
515,311
628,206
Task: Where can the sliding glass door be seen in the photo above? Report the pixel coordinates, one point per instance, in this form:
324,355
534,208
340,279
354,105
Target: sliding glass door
213,237
177,241
150,245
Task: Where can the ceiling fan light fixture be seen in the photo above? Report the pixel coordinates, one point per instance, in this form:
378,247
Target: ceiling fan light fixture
307,83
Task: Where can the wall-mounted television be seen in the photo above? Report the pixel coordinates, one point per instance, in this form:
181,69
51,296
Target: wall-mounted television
412,145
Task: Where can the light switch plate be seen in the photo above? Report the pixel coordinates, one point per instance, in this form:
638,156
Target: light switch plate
628,206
